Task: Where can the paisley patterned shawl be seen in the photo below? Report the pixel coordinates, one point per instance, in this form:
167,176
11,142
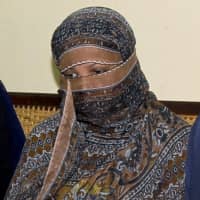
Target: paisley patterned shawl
124,144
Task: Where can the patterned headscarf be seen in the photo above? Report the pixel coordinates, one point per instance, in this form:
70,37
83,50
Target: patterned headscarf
119,143
94,25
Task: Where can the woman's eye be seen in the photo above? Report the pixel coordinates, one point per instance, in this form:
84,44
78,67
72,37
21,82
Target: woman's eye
99,71
71,75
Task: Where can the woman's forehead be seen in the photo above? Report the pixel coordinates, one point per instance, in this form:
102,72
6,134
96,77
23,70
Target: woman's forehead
88,54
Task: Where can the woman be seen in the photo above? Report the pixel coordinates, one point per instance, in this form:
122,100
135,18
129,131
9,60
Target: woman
112,139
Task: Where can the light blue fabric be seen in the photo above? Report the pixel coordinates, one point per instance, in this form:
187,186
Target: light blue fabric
193,164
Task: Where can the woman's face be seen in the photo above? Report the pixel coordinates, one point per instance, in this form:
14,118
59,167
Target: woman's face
87,61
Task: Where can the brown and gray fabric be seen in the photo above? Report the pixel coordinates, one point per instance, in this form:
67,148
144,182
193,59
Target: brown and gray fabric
124,144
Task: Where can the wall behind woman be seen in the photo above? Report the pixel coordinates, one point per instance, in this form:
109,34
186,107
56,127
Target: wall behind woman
167,34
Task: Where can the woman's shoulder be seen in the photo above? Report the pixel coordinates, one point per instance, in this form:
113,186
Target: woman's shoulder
42,136
50,124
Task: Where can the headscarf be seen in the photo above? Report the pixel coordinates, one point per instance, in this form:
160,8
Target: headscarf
97,26
110,142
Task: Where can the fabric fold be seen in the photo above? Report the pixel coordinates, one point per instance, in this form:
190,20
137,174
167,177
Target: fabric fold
61,146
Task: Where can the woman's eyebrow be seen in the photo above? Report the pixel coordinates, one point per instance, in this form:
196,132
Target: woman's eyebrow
68,71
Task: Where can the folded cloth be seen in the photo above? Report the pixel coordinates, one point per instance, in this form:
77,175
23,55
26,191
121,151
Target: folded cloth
12,139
